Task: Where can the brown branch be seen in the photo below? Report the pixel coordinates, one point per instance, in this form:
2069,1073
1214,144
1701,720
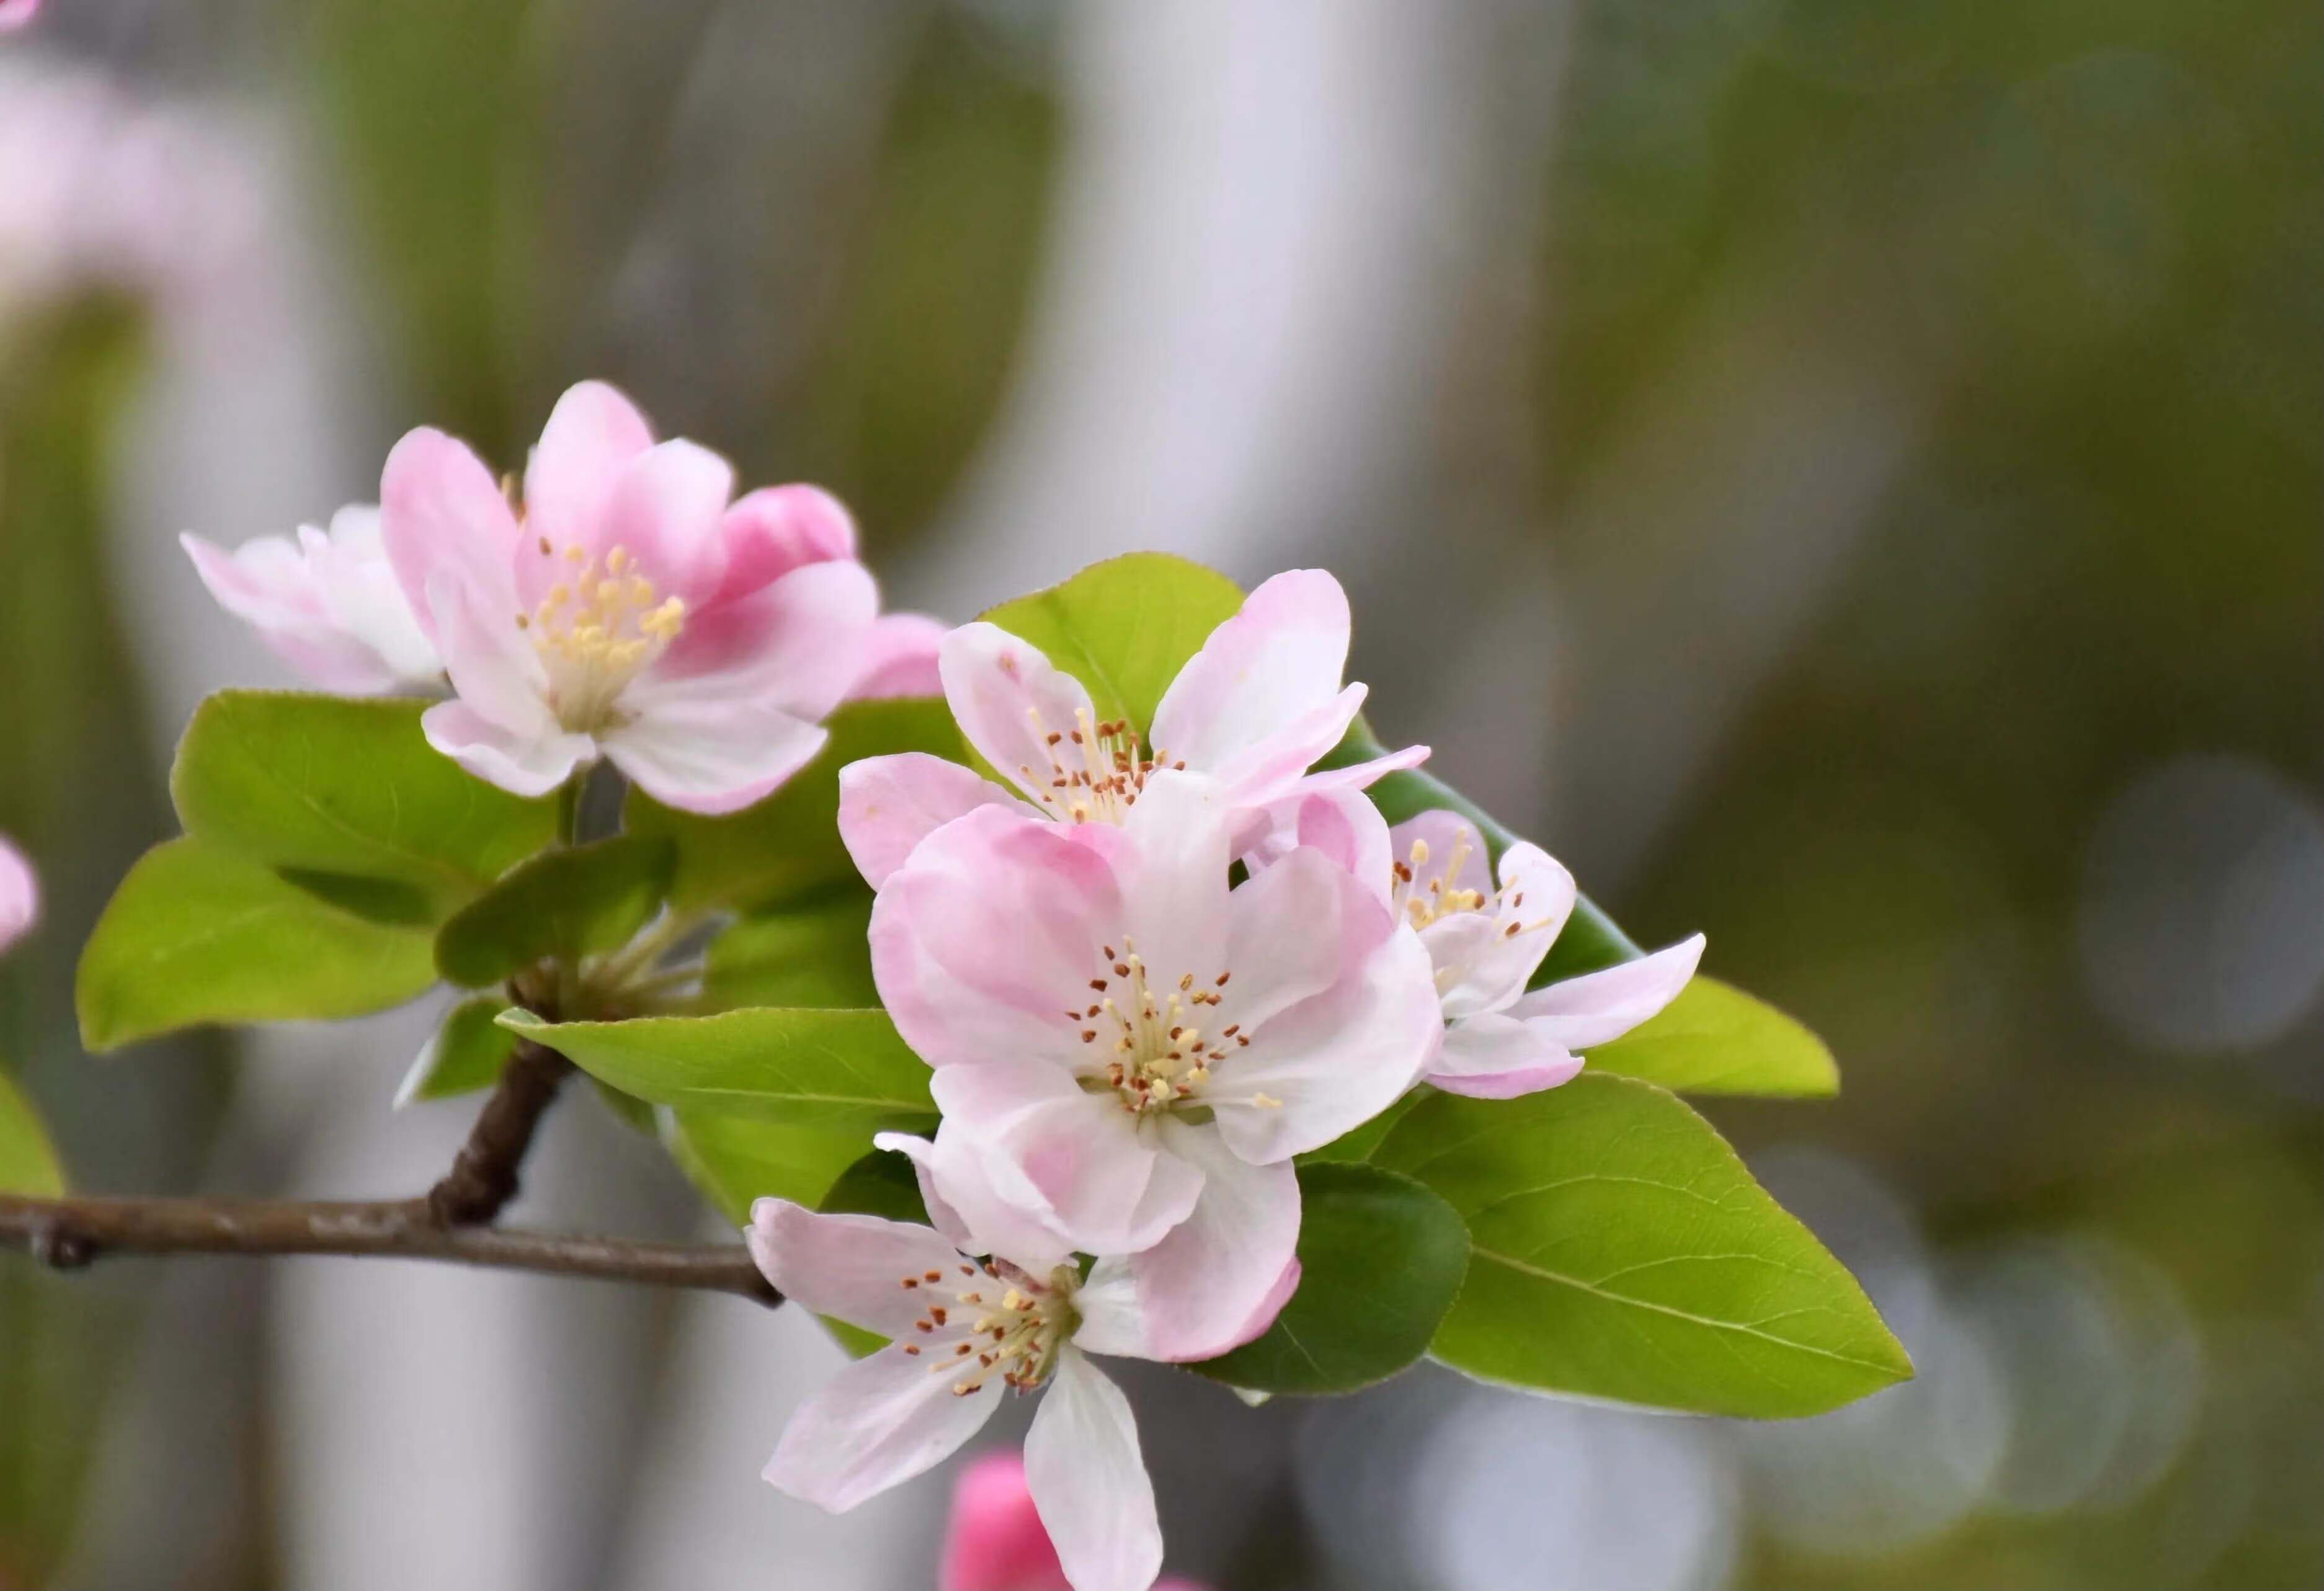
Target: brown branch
70,1233
483,1176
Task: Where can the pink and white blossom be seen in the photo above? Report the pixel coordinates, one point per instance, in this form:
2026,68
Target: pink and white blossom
627,609
994,1539
328,604
899,658
963,1325
17,14
1129,1053
20,894
1253,709
1485,935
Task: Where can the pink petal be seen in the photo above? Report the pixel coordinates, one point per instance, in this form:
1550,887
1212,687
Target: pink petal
267,584
880,1421
982,1201
708,755
493,664
1331,1063
17,14
985,940
851,1266
1277,661
1088,1480
1093,1178
798,643
889,805
1218,1280
592,435
1596,1007
359,593
1498,1057
1444,834
899,658
20,894
1294,930
520,765
1274,769
442,516
994,1539
665,510
1362,775
1172,869
775,529
1346,828
1009,699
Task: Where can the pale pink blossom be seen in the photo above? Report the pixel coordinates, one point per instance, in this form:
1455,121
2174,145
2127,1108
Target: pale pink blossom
328,604
1128,1053
1254,709
994,1539
20,894
899,658
16,14
1486,936
963,1325
627,610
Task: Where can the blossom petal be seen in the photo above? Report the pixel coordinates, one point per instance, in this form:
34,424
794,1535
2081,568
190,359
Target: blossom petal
268,586
1172,868
1346,828
1294,930
592,435
798,643
525,765
1009,699
1596,1007
1334,1062
360,592
20,894
982,1201
1497,1057
494,667
441,516
775,529
665,510
852,1266
1217,1281
994,1539
1273,663
1362,775
710,756
899,658
1277,767
985,940
1093,1178
1448,842
889,805
879,1422
1088,1480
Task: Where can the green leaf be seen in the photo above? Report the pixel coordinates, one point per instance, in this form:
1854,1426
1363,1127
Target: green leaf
1357,1147
28,1161
1714,1039
815,954
563,904
1589,940
196,934
1621,1251
465,1053
332,787
1125,627
734,1158
787,845
1381,1259
842,1069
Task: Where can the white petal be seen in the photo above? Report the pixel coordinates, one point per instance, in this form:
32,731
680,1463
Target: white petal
852,1266
880,1421
709,755
520,765
889,805
1274,663
1599,1006
1172,874
1213,1283
1498,1057
1330,1064
1294,930
982,1201
1009,699
1088,1483
494,668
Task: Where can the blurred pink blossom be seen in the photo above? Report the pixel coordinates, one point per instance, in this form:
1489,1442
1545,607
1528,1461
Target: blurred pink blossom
20,894
15,13
994,1540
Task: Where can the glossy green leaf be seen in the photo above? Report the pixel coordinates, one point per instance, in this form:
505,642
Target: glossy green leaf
1621,1251
882,1183
465,1053
334,789
1589,940
813,955
734,1157
1714,1039
843,1069
1357,1146
564,904
28,1161
787,845
1125,627
1381,1259
196,934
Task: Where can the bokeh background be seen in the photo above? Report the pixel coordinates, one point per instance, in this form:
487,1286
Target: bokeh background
1846,476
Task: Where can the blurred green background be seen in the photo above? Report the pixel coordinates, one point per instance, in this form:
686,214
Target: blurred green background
1846,476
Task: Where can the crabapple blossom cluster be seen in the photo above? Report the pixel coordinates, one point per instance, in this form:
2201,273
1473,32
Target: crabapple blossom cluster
1148,968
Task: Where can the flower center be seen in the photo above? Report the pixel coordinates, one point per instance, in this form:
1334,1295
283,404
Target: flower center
999,1320
1159,1052
1095,772
595,629
1423,897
